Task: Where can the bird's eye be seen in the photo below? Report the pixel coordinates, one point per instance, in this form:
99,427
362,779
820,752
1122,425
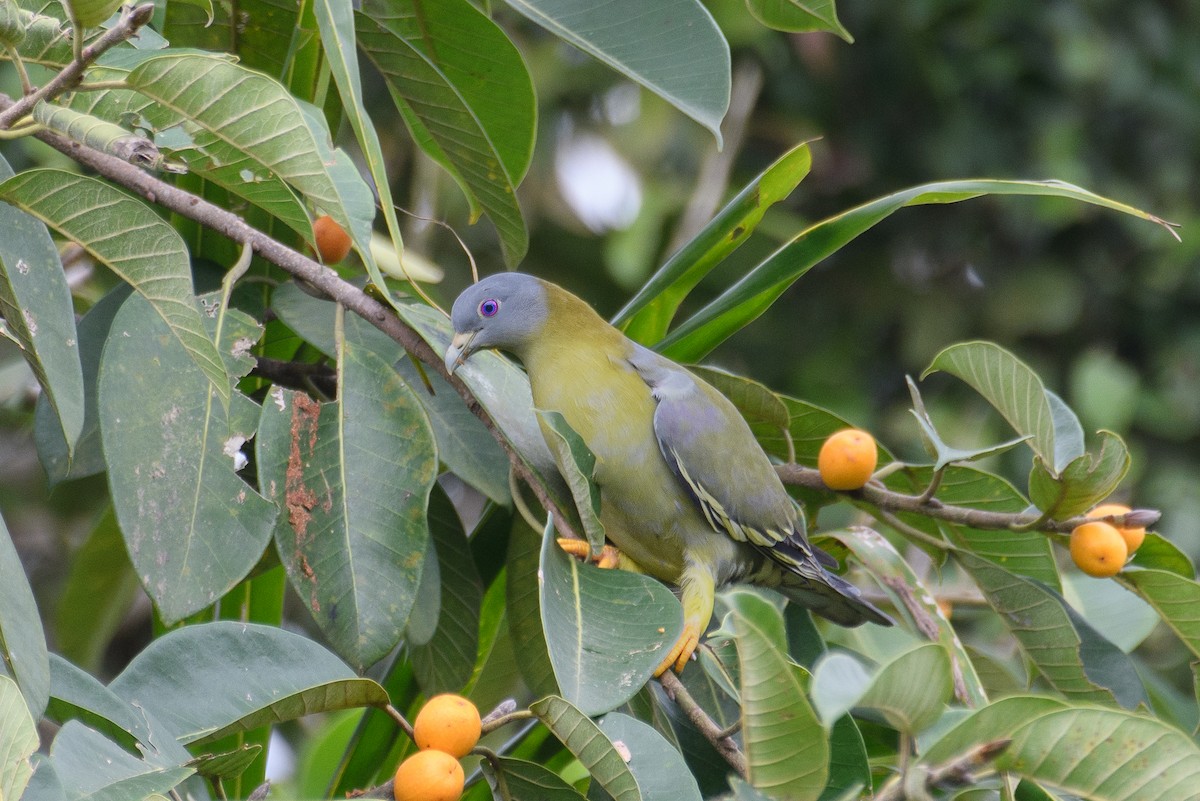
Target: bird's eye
489,307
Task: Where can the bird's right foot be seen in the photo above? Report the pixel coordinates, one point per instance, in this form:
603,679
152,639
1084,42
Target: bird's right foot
609,557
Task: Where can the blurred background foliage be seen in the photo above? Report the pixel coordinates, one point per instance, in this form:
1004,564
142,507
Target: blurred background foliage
1104,307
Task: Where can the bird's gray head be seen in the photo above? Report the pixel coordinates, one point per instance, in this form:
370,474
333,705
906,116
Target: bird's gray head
501,311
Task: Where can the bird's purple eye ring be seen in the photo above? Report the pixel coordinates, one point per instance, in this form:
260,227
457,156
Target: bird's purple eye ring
489,307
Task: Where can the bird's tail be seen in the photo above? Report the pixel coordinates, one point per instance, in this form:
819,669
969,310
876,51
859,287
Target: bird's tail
806,581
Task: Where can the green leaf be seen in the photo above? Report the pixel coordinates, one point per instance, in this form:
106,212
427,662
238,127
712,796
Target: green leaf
1091,752
87,456
76,695
444,664
1159,553
587,742
90,13
798,16
523,608
648,314
1176,599
99,590
659,769
91,766
839,681
578,464
606,630
671,47
1069,653
1084,482
787,750
767,415
1008,384
192,526
227,765
20,739
471,109
937,448
354,476
185,677
912,706
894,574
125,235
1125,619
849,766
23,655
35,303
762,285
335,21
519,780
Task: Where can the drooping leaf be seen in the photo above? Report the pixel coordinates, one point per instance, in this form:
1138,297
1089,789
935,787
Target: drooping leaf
787,749
762,285
523,608
1088,751
184,680
1176,598
606,630
23,655
76,695
1076,659
587,742
579,464
472,109
798,16
673,47
35,303
353,477
519,780
192,526
445,662
646,317
125,235
19,737
89,765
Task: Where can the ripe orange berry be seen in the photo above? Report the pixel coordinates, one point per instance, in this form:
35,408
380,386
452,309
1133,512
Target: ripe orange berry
333,243
1133,536
847,459
429,776
448,723
1098,549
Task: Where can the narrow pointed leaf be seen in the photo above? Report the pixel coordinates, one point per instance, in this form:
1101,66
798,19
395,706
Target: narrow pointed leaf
672,47
125,235
192,526
18,740
579,465
354,478
1069,653
23,655
606,630
587,742
35,303
471,109
754,293
648,314
798,16
787,749
184,678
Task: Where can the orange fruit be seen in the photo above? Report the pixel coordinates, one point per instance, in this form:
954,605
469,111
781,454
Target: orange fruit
447,723
1133,536
1098,549
333,243
429,776
847,459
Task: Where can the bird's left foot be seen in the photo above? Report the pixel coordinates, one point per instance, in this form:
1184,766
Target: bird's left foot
682,650
608,558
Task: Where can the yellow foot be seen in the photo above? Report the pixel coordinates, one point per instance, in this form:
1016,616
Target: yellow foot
609,556
682,650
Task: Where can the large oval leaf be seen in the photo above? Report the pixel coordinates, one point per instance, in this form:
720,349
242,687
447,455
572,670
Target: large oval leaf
672,47
354,477
659,769
186,680
125,235
192,526
89,765
606,630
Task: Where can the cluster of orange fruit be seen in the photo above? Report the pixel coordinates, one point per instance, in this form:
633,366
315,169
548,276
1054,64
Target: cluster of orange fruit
446,729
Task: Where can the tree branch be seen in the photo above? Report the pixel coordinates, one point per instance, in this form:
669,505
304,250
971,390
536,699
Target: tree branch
879,496
957,772
708,727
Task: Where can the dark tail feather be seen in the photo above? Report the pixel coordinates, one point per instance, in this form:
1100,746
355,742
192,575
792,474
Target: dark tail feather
834,598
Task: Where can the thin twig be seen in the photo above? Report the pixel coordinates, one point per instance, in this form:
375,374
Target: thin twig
708,727
70,76
960,771
395,715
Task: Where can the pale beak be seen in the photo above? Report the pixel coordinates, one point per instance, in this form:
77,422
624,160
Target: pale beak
459,350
